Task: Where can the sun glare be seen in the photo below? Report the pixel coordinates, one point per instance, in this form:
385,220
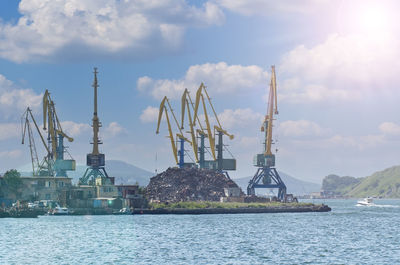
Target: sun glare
368,18
374,20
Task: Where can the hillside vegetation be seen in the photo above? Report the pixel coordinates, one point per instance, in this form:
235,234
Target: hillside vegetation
384,183
335,185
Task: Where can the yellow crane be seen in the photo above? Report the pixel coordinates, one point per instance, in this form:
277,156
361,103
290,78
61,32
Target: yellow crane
222,164
50,118
267,176
56,136
164,107
187,106
272,110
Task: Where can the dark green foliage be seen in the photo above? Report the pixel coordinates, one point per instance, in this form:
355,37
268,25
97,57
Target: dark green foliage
13,182
336,185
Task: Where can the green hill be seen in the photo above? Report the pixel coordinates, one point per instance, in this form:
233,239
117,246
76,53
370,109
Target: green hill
384,183
341,186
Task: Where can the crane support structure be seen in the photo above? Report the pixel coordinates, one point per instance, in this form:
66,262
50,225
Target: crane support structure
55,138
45,168
164,107
95,160
188,106
216,150
267,176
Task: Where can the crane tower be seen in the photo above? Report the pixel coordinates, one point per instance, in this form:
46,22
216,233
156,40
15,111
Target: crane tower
95,160
267,176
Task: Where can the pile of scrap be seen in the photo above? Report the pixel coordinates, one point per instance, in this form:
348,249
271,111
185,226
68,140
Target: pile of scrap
188,184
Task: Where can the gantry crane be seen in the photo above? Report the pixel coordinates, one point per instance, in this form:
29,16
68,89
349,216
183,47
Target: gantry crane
45,168
95,160
188,106
164,107
55,138
267,176
199,151
219,162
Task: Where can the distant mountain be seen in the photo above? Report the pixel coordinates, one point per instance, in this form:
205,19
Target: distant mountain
123,172
293,185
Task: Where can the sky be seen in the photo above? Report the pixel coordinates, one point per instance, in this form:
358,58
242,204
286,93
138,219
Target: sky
337,67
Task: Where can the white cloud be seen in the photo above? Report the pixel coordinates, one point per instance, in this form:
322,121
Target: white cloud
113,129
150,114
9,130
343,68
219,77
14,99
269,7
74,129
301,128
75,29
240,118
249,143
390,128
11,154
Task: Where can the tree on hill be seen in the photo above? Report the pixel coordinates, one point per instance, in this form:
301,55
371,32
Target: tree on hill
13,181
336,185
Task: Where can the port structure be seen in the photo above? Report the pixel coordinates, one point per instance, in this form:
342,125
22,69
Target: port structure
55,138
54,163
219,162
187,106
267,176
95,160
45,167
179,156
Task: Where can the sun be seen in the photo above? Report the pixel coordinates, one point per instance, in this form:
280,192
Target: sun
374,20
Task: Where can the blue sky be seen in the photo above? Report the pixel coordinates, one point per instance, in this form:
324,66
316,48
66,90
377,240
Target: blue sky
337,73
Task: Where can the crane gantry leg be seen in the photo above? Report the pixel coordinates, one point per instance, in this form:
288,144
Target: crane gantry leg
267,177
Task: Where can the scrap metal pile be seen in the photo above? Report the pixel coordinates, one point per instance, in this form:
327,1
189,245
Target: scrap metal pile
188,184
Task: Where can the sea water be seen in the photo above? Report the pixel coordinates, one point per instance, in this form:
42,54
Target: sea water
348,235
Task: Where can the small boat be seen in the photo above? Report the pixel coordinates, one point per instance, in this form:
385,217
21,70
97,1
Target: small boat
366,202
60,211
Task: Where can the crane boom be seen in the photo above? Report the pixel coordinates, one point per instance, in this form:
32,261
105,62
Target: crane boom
186,105
211,136
164,109
272,109
50,118
171,135
27,129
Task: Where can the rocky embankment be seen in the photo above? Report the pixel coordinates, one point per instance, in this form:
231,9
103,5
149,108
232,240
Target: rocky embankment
269,209
188,184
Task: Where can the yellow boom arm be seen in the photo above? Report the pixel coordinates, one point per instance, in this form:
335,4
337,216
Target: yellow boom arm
272,109
54,125
211,137
163,108
186,105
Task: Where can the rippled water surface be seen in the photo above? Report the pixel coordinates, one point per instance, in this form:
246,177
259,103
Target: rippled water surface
347,235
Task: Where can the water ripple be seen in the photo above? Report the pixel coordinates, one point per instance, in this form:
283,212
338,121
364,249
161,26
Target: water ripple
347,235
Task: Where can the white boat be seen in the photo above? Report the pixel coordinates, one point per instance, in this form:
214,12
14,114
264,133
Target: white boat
60,211
366,202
